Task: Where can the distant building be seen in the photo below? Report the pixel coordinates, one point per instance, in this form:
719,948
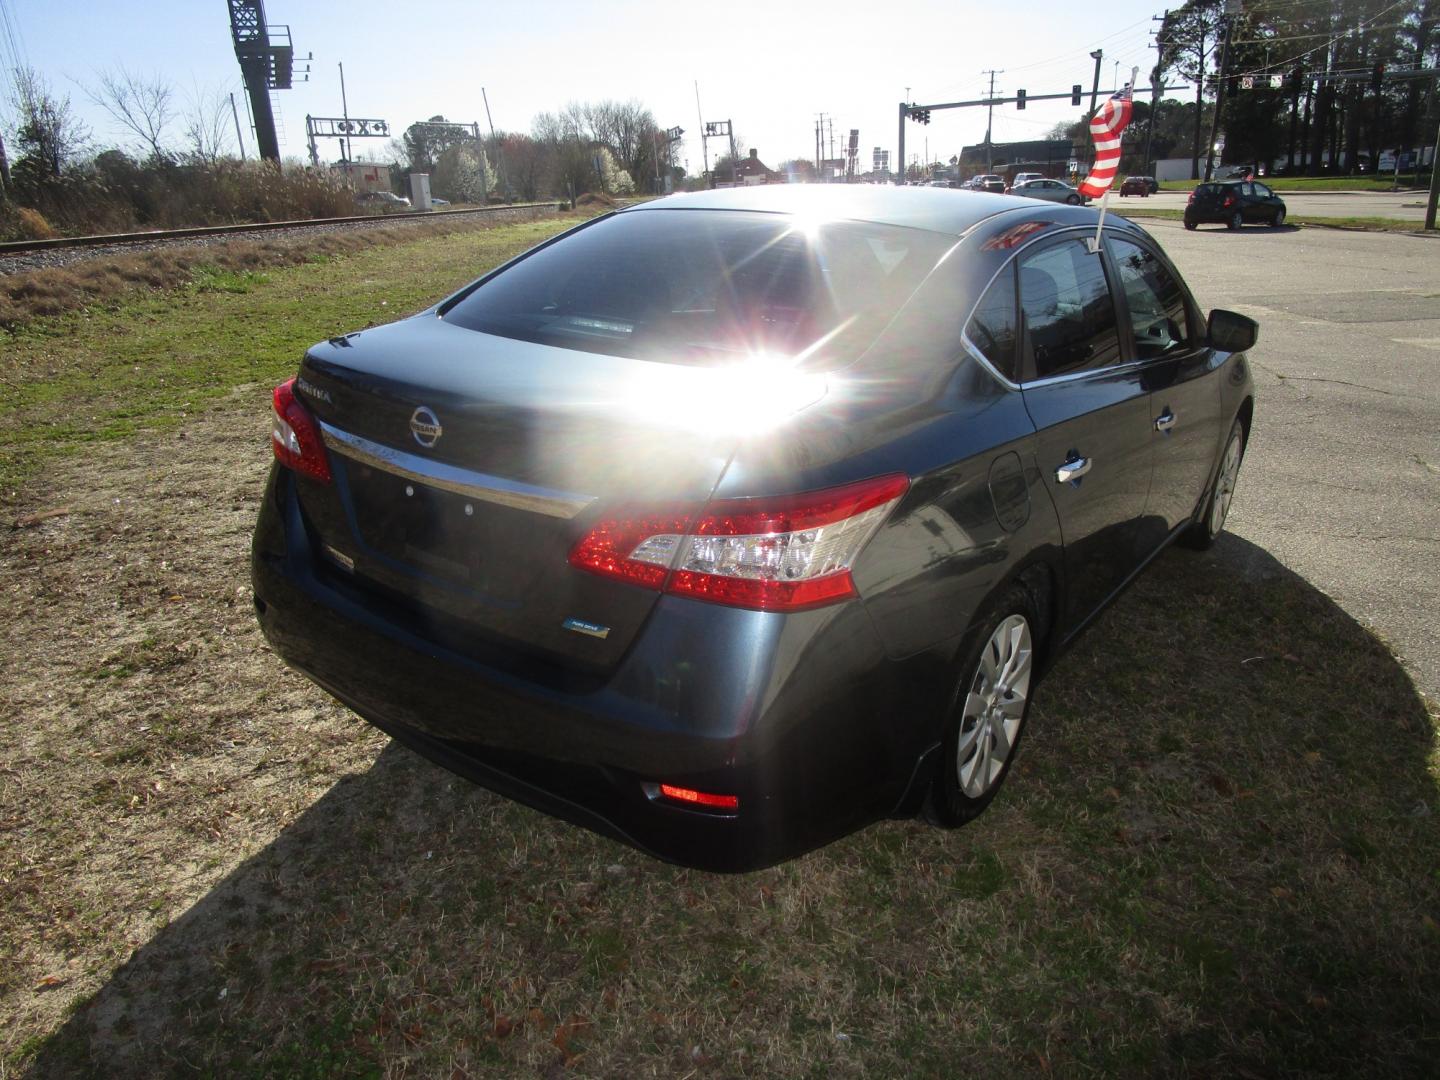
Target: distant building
1049,156
754,171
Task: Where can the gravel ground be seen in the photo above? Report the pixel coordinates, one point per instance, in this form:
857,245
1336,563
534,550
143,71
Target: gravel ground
65,256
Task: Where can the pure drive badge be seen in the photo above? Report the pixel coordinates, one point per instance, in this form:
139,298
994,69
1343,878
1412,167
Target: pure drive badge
425,426
580,626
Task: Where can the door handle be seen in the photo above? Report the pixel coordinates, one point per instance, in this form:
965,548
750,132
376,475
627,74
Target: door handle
1072,470
1165,421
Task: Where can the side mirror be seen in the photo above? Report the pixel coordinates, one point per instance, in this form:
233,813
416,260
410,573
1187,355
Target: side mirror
1232,332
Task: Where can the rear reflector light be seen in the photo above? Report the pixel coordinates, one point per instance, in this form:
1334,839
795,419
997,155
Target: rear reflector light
295,436
700,798
783,553
1191,198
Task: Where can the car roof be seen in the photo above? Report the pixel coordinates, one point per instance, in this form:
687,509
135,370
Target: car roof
942,210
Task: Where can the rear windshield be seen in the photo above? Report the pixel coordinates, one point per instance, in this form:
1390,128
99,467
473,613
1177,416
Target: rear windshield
708,287
1211,189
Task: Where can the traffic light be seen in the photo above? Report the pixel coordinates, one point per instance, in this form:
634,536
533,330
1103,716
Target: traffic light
1075,94
922,115
1377,77
1019,99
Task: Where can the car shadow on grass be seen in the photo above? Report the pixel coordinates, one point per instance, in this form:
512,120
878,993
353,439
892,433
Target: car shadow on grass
1217,855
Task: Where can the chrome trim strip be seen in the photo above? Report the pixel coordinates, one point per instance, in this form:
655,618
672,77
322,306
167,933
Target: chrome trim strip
452,478
983,360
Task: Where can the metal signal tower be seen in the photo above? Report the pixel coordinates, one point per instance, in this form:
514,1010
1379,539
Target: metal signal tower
267,61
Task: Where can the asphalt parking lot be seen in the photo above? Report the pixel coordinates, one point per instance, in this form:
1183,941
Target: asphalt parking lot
1341,481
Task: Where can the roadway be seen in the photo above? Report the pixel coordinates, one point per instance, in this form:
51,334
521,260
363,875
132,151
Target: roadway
1341,481
1404,205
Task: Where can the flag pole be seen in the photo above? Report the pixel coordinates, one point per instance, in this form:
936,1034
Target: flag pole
1104,202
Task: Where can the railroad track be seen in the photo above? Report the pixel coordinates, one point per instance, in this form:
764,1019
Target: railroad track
32,247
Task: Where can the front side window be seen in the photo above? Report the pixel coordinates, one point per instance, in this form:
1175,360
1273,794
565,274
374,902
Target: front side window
1155,300
1263,191
1069,317
704,287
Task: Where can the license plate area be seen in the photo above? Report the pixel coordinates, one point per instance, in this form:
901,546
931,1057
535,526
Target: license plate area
432,530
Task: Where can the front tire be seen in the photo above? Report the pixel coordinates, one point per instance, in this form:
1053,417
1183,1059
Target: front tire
1236,220
1279,218
987,715
1073,200
1202,534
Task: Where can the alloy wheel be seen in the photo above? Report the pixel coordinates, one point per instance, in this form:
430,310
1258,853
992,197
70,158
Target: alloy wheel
1279,217
994,707
1236,220
1225,485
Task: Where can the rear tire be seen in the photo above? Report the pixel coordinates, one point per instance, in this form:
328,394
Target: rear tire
1202,534
987,713
1236,220
1189,224
1073,200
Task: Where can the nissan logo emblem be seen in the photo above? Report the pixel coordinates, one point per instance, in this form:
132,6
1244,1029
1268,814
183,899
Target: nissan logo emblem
425,426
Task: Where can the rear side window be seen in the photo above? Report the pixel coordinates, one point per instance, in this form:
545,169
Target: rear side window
1069,316
1154,297
708,287
992,328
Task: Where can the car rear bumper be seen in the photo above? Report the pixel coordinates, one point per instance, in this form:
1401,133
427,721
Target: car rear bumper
801,716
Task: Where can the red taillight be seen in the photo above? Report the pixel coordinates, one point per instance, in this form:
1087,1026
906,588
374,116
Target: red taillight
782,553
295,436
700,798
1191,198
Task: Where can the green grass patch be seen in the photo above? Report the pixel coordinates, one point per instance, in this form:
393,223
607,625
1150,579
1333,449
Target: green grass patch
1385,182
1365,224
153,362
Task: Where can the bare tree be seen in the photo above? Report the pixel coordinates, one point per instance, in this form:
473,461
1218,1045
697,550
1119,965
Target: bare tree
48,135
141,105
206,122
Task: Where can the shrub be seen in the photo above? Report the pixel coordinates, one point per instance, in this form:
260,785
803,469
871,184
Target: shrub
32,225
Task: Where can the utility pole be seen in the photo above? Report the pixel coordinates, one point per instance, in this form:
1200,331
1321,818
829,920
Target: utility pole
345,112
989,112
1232,8
1155,88
1434,181
238,138
704,139
1097,56
499,152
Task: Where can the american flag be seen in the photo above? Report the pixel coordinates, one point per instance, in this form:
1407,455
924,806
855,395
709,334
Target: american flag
1105,129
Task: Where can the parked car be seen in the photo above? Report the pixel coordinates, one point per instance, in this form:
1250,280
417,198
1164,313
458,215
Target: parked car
1050,190
1234,203
1024,177
732,522
1139,185
383,201
990,182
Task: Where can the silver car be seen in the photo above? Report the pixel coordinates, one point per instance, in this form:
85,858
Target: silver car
1052,190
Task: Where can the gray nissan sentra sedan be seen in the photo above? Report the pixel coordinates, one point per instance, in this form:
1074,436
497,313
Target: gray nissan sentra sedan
728,524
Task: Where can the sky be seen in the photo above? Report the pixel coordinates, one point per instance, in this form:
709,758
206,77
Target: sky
770,67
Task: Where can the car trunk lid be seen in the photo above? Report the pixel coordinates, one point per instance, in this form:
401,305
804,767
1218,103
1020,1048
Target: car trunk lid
466,466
